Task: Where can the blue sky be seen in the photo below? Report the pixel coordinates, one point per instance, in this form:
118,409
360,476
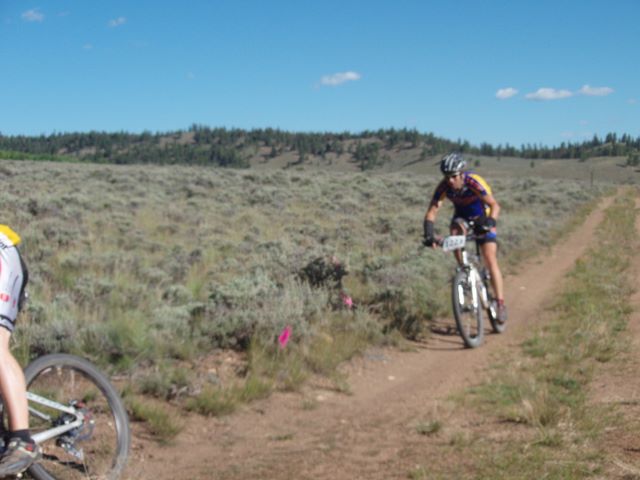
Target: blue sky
484,71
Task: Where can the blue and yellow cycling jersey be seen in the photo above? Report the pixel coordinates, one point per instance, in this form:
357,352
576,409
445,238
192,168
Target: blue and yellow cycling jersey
467,201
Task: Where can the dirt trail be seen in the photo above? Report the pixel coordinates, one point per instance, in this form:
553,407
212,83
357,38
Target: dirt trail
369,434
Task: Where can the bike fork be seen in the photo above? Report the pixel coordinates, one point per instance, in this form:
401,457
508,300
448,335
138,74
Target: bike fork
473,281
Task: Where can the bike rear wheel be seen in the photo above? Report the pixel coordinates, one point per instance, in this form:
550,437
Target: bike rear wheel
99,448
467,315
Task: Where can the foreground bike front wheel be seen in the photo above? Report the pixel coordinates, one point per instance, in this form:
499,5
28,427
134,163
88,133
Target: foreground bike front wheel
98,449
468,314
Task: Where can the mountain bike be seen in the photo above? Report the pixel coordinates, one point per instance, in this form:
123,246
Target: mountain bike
470,291
78,419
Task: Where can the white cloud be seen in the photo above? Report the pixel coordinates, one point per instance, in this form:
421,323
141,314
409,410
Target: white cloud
595,91
116,22
33,15
191,76
87,46
339,78
576,135
633,101
544,94
505,93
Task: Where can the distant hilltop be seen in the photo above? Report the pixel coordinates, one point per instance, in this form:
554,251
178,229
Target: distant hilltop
273,148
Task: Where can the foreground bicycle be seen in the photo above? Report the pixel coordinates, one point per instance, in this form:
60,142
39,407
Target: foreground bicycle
78,419
470,291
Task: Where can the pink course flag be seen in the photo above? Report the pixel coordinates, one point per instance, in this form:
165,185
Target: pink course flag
284,337
347,301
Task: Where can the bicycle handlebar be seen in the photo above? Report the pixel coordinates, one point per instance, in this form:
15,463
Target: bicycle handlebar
457,242
470,236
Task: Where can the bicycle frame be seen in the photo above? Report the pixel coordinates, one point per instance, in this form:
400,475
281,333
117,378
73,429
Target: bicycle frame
56,431
470,263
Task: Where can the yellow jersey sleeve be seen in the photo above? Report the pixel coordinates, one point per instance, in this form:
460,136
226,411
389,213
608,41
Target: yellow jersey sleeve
8,236
479,184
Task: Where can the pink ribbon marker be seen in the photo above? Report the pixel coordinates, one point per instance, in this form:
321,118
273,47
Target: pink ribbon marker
347,301
284,337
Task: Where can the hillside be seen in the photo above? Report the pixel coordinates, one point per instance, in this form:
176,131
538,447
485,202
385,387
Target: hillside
383,150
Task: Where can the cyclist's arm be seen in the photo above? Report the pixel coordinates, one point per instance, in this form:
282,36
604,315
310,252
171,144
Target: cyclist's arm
432,211
436,201
494,206
428,223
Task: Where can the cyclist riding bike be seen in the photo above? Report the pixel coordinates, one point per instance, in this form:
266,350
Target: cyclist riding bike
17,449
473,201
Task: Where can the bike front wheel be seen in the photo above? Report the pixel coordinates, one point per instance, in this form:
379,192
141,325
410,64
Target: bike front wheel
468,314
97,449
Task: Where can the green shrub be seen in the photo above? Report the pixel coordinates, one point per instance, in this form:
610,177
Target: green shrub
160,422
213,402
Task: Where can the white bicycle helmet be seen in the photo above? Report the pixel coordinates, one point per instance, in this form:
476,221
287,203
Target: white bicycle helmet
452,164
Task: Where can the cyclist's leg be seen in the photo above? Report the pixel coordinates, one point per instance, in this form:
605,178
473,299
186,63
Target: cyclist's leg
21,451
12,383
489,250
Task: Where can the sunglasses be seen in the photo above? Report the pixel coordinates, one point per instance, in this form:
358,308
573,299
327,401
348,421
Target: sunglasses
450,177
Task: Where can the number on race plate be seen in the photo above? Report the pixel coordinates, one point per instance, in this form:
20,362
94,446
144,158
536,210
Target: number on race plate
453,242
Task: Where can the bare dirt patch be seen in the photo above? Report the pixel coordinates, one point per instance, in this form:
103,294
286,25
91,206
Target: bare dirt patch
381,429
